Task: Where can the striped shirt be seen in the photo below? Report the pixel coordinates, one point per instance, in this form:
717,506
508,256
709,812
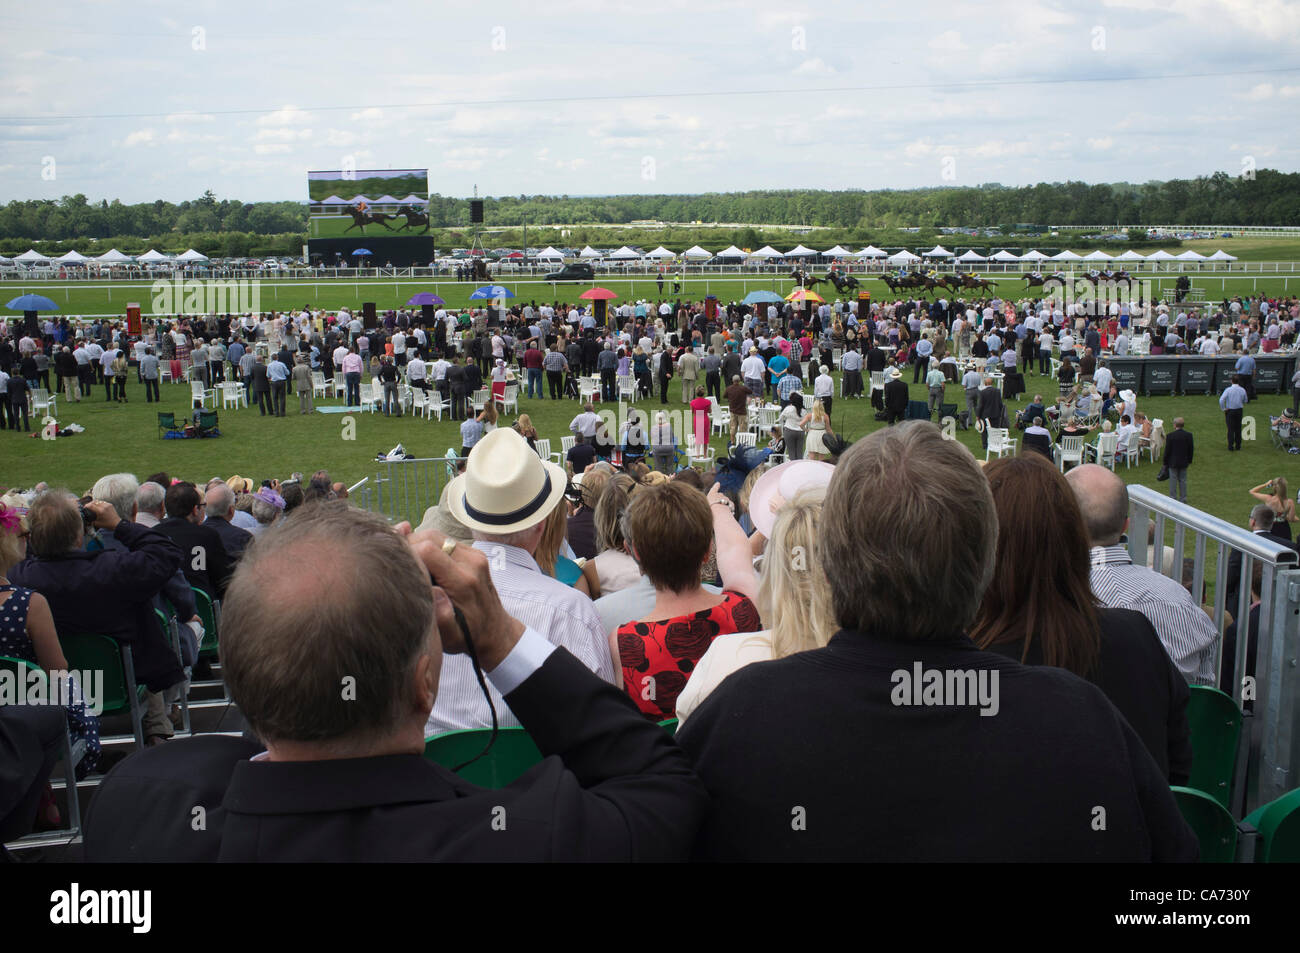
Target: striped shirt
1186,632
561,614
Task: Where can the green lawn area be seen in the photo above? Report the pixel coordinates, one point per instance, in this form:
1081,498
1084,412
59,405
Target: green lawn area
111,298
125,437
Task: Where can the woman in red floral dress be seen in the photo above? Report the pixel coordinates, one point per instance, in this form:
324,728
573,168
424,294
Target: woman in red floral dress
669,528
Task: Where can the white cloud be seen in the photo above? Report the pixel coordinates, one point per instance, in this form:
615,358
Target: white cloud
138,138
816,65
947,40
282,116
270,148
281,134
1101,144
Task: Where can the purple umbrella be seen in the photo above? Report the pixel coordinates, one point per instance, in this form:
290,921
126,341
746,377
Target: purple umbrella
424,297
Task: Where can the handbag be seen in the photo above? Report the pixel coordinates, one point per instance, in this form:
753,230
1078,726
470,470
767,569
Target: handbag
1163,474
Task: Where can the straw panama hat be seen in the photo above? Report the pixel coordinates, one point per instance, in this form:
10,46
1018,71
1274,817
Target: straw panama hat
506,487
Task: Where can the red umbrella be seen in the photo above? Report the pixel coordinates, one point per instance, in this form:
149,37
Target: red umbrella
597,294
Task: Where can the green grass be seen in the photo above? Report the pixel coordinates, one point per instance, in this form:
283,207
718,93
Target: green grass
124,437
105,298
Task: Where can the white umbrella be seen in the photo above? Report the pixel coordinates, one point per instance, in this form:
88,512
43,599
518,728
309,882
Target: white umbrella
192,255
1160,255
589,252
1066,255
152,256
661,252
938,251
732,252
1131,255
1190,255
695,251
1097,256
871,251
1033,255
971,255
1222,255
624,253
72,258
31,255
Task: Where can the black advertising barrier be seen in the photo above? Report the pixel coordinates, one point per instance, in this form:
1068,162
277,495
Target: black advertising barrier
1127,372
1160,375
1273,374
1224,368
1196,375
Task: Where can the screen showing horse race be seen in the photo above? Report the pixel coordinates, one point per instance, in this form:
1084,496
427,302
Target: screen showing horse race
353,203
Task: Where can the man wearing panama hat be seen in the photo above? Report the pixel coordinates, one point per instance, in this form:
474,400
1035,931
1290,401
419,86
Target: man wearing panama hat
504,498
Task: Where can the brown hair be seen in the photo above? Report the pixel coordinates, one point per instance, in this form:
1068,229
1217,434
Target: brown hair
290,649
912,563
55,524
671,530
1040,587
609,512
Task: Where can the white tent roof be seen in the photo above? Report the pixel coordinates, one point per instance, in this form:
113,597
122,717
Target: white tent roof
1066,255
333,200
6,261
588,252
151,256
1131,255
113,256
1097,256
1005,255
549,252
695,251
732,252
73,257
1033,255
871,251
1222,255
904,255
838,251
1160,255
971,255
661,252
767,251
32,255
938,251
192,255
624,253
356,200
387,200
800,251
1190,255
415,199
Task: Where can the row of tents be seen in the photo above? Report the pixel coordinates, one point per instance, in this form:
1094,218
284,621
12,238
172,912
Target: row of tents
872,252
110,257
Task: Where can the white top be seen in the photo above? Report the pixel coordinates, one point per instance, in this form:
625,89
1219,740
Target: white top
726,654
617,571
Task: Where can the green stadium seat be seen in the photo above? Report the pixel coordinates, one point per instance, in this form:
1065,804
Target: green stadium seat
1278,824
512,754
1215,723
1214,827
207,612
669,725
88,653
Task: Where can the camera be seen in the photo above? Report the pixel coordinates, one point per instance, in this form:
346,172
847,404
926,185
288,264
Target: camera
87,517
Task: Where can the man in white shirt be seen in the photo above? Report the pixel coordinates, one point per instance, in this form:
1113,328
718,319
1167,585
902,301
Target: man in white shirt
416,373
504,498
752,370
1127,433
583,426
399,348
1102,378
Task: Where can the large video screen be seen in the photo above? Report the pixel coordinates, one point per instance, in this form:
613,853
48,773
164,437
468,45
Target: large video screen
356,202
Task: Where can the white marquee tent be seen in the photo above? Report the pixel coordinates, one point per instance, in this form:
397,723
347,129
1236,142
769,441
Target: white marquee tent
1222,255
589,252
113,257
938,251
904,255
31,255
800,251
839,251
152,257
661,252
871,251
1033,255
191,255
1131,255
1066,255
767,251
73,257
1191,255
551,254
1005,255
1160,255
624,253
1097,256
732,252
695,251
971,255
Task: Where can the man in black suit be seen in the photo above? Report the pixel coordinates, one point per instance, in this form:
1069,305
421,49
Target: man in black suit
990,409
1178,457
896,395
219,506
205,562
1262,518
259,388
459,389
343,777
877,747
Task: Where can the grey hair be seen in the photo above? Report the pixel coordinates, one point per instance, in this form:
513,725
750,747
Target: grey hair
149,498
118,489
220,498
1263,517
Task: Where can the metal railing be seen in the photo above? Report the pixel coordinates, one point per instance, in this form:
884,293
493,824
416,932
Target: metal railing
1268,763
404,489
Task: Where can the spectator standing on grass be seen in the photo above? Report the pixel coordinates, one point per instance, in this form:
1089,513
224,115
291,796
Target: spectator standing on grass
1232,402
1177,458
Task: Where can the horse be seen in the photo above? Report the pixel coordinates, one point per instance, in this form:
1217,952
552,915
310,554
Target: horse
843,283
974,281
413,217
804,279
361,219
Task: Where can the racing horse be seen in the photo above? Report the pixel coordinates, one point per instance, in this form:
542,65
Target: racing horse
843,283
413,217
968,280
1036,279
361,218
806,280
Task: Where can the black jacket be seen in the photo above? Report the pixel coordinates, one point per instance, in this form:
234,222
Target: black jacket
613,787
990,407
1178,450
259,382
876,359
233,538
817,757
1234,571
204,559
1137,675
111,593
456,378
896,396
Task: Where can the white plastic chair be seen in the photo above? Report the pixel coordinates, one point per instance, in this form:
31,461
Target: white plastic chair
319,385
746,439
720,416
510,398
419,403
42,401
437,404
201,395
1103,451
1132,453
232,394
627,388
544,447
1069,451
877,383
696,454
588,388
1000,441
566,444
478,400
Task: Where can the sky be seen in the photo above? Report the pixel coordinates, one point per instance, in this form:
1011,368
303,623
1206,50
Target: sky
156,100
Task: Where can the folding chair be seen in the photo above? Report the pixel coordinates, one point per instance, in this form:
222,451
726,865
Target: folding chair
167,424
206,422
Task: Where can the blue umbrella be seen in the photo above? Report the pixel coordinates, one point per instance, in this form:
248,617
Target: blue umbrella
488,292
762,297
32,303
363,251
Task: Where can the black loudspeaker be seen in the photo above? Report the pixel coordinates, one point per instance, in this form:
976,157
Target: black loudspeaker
426,315
476,211
369,316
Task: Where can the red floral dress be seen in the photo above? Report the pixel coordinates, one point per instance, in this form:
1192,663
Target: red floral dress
658,657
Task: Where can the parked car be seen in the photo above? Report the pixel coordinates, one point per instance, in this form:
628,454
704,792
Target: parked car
578,271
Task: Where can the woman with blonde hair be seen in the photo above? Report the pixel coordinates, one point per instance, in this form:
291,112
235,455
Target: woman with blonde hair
793,600
558,566
524,426
614,565
816,425
1278,497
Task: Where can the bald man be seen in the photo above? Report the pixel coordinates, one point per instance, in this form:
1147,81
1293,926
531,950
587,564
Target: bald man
1187,633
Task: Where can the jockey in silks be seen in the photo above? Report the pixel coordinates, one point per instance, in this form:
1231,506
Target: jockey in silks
362,206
